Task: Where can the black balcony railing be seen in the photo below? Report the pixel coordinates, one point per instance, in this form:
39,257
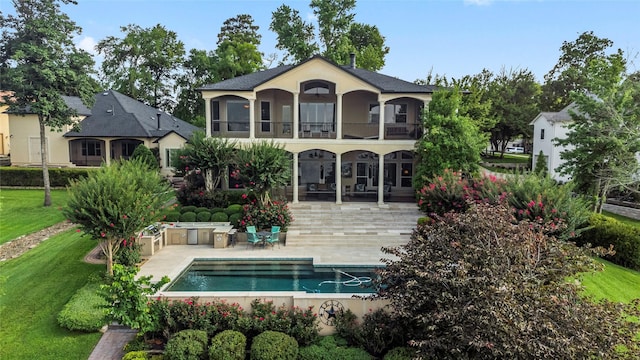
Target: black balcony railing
350,130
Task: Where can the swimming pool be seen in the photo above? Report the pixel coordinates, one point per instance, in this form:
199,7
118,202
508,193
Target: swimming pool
274,275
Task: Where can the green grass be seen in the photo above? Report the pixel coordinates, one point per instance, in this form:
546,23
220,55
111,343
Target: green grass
614,283
622,219
35,288
508,158
22,212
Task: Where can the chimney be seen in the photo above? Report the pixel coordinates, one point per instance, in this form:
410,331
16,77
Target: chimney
352,56
158,116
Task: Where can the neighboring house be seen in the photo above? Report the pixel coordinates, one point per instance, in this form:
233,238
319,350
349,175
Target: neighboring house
351,132
546,127
5,137
112,129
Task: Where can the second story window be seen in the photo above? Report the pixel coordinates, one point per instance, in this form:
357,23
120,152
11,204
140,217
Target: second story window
393,113
541,134
238,115
215,116
265,116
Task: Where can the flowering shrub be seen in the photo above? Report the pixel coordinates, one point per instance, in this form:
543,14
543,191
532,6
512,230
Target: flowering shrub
534,198
452,192
214,317
274,213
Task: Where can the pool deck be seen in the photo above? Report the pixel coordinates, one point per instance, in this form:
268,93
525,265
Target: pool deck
348,234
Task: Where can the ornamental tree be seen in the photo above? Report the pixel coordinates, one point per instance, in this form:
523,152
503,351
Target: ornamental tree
210,155
113,204
476,285
261,167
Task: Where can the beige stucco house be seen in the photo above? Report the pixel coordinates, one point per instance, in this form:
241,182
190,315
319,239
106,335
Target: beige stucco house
112,129
351,132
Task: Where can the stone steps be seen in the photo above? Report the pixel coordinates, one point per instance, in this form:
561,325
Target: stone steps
351,225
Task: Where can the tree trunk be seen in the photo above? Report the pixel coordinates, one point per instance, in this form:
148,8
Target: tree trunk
43,159
109,255
208,180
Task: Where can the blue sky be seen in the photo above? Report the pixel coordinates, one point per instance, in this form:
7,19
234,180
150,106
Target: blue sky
451,37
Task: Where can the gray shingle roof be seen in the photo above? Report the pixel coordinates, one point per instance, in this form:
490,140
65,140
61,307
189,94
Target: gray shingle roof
386,84
73,102
117,115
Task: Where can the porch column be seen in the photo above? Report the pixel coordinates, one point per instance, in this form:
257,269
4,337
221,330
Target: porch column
207,116
252,119
338,118
381,121
296,115
107,152
338,172
381,180
294,181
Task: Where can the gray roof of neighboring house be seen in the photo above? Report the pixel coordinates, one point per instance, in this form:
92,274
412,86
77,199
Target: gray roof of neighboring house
386,84
117,115
559,116
73,102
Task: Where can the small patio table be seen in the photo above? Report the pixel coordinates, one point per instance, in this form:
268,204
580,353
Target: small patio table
263,235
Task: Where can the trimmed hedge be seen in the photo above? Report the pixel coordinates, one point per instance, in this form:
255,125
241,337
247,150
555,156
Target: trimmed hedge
234,209
188,208
32,177
188,217
274,345
203,216
201,209
332,348
219,217
228,345
84,311
172,216
187,345
401,353
234,219
135,355
605,231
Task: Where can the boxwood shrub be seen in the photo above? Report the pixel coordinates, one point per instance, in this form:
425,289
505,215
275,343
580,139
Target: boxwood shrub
188,216
219,217
234,219
401,353
172,216
605,231
233,209
84,311
188,208
203,216
201,209
274,345
187,345
228,345
135,355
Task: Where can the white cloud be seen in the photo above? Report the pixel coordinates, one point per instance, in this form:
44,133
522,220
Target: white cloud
312,17
88,44
478,2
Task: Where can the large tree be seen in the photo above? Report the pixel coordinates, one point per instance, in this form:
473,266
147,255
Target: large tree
450,141
514,95
236,54
604,138
569,73
115,202
475,285
338,35
39,64
144,64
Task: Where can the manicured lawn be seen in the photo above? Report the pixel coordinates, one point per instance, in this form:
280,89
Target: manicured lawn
22,212
615,283
508,158
35,288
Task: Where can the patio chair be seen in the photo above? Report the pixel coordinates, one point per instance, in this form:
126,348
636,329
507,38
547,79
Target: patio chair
252,236
275,237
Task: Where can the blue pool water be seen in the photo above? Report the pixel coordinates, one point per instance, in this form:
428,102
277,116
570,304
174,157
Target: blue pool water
274,275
